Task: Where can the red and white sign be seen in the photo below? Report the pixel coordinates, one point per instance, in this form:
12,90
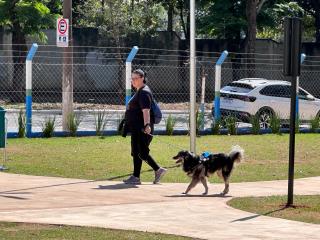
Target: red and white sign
62,32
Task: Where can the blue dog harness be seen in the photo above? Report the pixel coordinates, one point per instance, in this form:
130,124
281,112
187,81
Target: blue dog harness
205,156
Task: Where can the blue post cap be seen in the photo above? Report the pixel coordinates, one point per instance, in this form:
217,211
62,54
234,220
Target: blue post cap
32,51
132,54
222,58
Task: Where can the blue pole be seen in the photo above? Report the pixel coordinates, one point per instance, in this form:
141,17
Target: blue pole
222,58
302,58
30,56
129,60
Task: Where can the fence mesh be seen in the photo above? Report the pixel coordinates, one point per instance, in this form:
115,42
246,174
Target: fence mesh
99,81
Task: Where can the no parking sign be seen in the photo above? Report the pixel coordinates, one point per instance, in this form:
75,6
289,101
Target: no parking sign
62,32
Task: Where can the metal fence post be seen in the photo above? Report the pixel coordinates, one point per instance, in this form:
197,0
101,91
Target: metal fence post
203,93
131,56
3,137
222,58
30,56
302,58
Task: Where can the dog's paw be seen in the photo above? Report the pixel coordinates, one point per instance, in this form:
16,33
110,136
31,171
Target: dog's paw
184,193
205,193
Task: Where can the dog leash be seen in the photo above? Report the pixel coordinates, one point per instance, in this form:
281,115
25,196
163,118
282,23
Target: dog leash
166,143
169,144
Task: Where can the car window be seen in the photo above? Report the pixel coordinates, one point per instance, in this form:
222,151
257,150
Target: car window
302,94
238,88
276,91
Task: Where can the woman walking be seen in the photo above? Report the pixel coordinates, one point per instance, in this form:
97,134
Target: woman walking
139,122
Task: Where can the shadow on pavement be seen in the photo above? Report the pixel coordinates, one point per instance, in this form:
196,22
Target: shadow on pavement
76,182
13,197
257,215
117,186
200,195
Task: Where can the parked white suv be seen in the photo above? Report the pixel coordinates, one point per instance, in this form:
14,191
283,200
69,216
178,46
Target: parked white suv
264,98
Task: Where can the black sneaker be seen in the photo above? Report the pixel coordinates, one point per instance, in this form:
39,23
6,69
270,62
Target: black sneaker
132,180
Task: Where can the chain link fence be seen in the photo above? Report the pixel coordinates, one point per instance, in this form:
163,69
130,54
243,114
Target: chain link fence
99,81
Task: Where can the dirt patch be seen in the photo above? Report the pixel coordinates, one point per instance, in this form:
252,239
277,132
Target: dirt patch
293,206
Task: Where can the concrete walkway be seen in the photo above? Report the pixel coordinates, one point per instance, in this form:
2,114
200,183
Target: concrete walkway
148,207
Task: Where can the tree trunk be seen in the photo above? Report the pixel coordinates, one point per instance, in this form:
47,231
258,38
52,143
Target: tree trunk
19,49
67,75
115,32
185,27
317,19
170,17
251,13
132,8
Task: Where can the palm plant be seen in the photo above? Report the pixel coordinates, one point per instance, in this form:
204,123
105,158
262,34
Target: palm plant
48,127
21,124
73,123
100,122
170,122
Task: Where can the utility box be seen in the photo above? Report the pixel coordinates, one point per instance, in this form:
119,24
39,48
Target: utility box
2,128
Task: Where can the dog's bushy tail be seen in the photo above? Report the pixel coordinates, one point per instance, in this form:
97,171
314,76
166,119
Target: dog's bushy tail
236,154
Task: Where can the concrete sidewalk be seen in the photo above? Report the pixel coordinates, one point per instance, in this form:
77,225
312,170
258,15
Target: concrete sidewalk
148,207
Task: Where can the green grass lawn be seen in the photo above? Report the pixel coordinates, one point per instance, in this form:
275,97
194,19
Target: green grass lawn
266,156
305,208
22,231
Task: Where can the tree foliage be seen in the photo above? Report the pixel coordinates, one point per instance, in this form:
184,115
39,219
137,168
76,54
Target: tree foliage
226,19
24,18
141,17
312,7
31,17
270,21
221,19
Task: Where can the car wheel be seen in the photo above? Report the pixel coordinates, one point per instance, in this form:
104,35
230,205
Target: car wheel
265,115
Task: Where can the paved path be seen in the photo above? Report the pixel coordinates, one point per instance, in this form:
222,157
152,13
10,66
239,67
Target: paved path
148,207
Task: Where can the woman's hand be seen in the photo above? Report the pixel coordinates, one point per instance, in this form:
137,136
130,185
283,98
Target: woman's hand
147,129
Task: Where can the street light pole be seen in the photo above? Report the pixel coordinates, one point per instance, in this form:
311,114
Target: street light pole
192,78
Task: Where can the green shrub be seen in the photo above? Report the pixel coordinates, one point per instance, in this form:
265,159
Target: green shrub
73,122
170,122
254,120
100,121
216,125
48,127
315,124
231,124
275,123
199,121
21,124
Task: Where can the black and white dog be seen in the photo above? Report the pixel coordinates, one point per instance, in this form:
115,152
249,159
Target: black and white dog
199,168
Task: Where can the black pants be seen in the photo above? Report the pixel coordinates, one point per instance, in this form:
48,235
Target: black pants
140,152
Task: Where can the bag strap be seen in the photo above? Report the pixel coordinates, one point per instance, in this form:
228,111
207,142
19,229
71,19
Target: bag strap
150,95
